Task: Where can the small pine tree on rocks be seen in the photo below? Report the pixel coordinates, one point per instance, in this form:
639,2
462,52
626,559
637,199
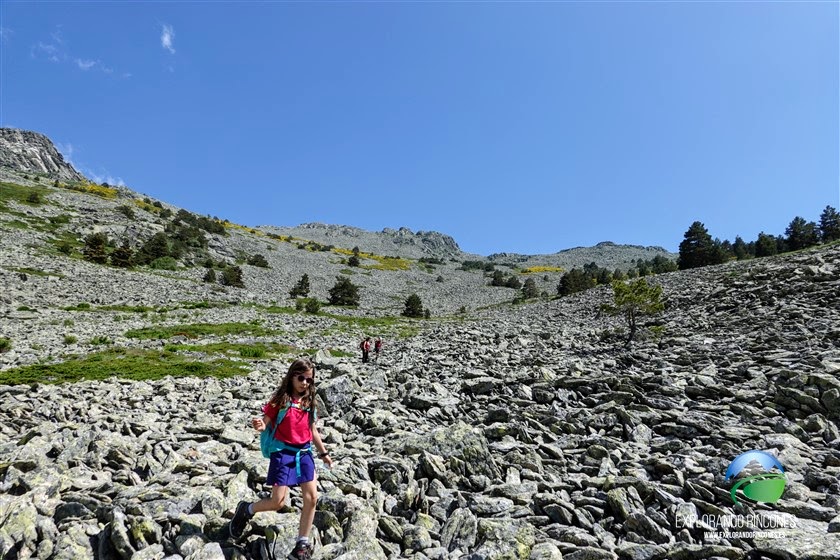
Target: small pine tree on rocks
232,276
301,289
123,256
94,250
413,307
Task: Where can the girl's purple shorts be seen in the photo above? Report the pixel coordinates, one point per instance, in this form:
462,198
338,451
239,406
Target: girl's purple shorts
282,468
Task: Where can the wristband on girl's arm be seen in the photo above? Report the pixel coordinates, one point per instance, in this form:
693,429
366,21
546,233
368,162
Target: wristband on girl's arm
324,454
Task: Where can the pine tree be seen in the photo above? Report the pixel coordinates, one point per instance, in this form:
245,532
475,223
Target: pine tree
344,292
529,289
155,247
413,306
801,234
232,276
94,250
301,289
765,245
739,248
210,276
498,278
123,255
829,225
697,248
574,281
633,299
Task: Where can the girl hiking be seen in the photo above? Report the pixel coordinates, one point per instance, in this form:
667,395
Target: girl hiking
288,444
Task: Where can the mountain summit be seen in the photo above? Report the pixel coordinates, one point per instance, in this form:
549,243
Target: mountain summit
31,152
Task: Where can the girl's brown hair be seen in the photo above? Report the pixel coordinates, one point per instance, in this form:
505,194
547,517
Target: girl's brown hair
283,394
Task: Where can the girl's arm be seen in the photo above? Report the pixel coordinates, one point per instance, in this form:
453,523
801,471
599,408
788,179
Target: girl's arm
319,445
260,424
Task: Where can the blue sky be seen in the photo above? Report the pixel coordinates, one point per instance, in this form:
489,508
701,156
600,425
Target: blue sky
513,127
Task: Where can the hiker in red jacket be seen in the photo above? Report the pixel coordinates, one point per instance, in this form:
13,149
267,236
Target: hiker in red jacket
365,346
377,347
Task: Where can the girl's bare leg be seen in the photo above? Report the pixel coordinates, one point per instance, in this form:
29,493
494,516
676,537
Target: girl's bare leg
309,491
273,503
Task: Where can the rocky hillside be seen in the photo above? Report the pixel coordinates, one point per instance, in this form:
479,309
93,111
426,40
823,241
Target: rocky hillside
606,254
526,432
401,242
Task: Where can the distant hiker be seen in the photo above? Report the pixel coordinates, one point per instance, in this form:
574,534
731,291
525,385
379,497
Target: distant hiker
288,426
365,346
377,346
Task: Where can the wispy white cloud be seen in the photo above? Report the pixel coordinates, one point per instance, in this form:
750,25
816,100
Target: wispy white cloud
56,51
47,51
66,150
6,34
167,38
86,64
103,177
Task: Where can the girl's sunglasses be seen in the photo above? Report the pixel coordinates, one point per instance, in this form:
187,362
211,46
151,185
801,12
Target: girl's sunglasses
304,379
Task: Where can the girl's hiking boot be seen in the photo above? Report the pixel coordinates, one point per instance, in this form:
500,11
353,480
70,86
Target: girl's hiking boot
240,520
301,551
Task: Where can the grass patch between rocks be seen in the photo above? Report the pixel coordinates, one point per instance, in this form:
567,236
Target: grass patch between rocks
134,364
197,330
258,350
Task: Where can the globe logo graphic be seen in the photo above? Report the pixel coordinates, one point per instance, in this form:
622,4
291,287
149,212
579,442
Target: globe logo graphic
766,487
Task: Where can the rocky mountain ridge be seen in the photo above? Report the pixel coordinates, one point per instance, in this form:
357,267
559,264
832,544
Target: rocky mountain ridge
31,152
24,152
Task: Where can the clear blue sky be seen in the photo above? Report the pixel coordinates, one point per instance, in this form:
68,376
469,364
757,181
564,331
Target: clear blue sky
517,127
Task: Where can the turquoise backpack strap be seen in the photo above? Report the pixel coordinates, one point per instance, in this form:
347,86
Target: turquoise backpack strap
269,445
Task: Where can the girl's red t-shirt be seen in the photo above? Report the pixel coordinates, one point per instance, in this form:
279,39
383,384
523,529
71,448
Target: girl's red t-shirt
294,428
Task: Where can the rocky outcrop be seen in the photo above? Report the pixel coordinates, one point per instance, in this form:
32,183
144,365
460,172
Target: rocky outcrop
398,242
31,152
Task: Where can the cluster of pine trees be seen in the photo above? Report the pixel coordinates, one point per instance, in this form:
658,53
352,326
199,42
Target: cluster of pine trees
591,275
699,249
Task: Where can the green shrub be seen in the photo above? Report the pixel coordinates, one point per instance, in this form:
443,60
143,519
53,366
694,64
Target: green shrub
232,276
100,340
313,306
126,211
164,263
123,256
258,260
94,250
70,339
300,304
210,276
34,198
5,345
